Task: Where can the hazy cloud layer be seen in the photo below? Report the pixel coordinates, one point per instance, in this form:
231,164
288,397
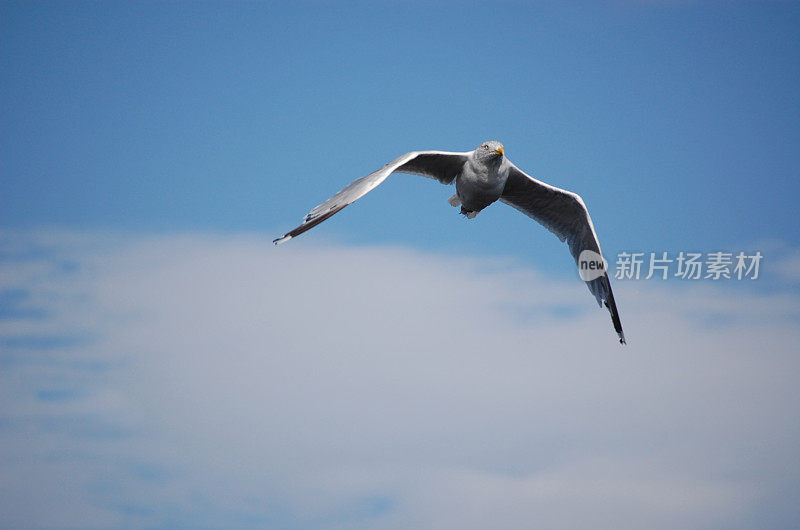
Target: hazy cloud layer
218,381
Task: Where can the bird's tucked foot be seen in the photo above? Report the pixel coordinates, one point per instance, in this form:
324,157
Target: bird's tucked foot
471,214
454,201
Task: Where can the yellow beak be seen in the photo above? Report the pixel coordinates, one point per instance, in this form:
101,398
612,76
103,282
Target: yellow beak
499,151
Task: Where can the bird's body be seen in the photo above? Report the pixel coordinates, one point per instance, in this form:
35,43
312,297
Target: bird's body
484,176
482,179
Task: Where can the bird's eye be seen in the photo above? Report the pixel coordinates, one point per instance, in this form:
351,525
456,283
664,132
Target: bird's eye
486,147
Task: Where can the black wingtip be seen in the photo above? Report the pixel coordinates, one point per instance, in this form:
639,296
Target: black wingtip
611,304
308,224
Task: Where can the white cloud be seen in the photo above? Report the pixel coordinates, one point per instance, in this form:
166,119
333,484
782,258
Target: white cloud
220,381
789,267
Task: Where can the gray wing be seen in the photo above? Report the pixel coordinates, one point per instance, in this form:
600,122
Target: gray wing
563,213
440,165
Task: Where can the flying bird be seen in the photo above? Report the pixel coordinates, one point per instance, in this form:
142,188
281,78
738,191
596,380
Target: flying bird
482,177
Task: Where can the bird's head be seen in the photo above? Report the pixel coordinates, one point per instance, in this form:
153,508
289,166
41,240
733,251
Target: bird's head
491,150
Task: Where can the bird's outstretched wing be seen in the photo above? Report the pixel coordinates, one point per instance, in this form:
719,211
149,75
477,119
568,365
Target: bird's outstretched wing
440,165
563,213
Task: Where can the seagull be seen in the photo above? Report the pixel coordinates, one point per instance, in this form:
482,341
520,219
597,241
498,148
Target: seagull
484,176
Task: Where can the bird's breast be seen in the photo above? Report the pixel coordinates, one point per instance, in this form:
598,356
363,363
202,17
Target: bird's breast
478,186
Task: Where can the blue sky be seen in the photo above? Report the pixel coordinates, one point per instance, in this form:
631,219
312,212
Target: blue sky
155,352
677,122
